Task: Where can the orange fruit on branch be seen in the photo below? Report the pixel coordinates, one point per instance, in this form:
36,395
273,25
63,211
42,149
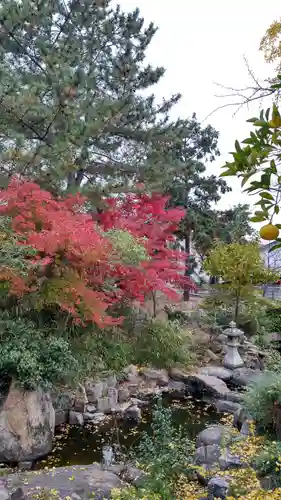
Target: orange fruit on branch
269,232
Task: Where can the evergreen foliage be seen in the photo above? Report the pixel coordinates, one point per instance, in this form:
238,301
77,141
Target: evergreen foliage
73,106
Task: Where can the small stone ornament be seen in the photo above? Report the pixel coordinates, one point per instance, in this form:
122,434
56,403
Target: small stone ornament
107,456
232,358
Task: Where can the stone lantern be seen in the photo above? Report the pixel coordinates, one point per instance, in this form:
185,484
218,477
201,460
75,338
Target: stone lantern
232,358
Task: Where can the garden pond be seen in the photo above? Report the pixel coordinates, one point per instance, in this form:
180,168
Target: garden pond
76,445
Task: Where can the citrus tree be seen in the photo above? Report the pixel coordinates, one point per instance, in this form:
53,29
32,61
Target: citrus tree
240,268
257,162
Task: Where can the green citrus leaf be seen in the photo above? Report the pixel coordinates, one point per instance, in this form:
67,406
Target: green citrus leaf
257,219
266,195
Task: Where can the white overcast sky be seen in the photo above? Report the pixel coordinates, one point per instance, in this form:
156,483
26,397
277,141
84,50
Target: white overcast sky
202,42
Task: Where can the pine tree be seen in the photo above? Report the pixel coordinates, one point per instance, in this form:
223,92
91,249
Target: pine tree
72,105
189,185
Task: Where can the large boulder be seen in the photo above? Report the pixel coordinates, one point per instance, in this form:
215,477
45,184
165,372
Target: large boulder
218,487
228,461
4,494
208,455
224,406
202,385
27,423
69,482
176,389
215,434
240,417
160,376
234,396
216,371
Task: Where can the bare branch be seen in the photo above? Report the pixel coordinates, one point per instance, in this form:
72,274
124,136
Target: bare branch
240,104
257,91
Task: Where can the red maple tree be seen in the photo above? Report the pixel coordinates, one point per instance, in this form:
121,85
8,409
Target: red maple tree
146,217
75,265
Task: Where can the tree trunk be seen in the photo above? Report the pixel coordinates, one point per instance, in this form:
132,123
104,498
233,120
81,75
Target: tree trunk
154,303
236,311
186,290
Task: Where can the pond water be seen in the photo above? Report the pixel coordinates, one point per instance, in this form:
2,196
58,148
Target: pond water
83,445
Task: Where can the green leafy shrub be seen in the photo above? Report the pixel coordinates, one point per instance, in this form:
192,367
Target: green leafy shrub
177,315
132,493
164,455
273,361
274,319
260,397
107,351
162,345
253,316
32,357
13,255
268,462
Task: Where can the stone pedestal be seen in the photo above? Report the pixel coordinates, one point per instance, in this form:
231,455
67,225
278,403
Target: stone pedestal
232,358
